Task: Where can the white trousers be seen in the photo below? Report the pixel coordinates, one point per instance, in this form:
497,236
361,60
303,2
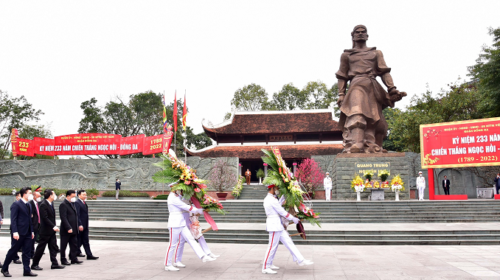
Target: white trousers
421,193
328,194
288,242
179,251
175,237
274,238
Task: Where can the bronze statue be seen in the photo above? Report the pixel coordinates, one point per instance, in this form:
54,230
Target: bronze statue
364,126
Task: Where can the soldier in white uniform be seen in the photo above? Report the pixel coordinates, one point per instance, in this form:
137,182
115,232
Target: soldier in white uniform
177,229
276,230
420,185
327,184
179,250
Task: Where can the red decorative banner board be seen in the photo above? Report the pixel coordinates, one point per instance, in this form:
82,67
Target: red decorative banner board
167,141
13,140
132,144
152,145
25,147
87,144
460,144
91,144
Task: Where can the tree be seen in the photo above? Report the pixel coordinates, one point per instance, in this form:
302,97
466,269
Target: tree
93,120
251,97
222,177
14,113
318,95
310,174
460,102
487,72
289,98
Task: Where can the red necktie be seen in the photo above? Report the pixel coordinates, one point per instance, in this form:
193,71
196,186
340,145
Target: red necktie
38,212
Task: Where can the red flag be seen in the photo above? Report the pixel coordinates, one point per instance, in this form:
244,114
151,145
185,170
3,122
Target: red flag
184,114
175,112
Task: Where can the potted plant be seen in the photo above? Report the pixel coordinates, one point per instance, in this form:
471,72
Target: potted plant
310,174
239,187
260,175
384,174
358,186
397,185
221,177
368,175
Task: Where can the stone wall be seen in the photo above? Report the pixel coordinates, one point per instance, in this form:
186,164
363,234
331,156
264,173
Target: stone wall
134,173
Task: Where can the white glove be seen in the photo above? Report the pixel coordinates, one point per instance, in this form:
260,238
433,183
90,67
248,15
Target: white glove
199,211
295,220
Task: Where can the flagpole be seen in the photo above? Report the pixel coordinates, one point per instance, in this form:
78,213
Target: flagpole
185,134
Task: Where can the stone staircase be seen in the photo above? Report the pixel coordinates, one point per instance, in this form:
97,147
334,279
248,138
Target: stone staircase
331,212
257,192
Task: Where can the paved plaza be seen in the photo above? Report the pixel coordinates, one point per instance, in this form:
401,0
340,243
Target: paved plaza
144,260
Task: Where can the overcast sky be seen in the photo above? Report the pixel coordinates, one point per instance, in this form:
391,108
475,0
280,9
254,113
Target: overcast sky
61,53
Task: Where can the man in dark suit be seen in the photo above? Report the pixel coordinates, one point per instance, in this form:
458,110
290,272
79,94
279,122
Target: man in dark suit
22,228
69,228
48,229
446,185
82,210
16,259
35,207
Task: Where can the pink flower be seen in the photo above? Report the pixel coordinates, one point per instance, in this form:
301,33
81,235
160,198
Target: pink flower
187,182
197,190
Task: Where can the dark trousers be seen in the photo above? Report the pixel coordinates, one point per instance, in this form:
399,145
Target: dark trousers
45,240
83,239
32,254
446,190
24,242
12,241
498,189
72,239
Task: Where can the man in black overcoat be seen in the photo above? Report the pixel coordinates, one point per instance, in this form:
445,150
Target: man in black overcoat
69,228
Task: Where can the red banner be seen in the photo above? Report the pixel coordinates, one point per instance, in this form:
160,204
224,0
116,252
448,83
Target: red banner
460,144
24,147
92,144
87,144
13,140
132,144
152,145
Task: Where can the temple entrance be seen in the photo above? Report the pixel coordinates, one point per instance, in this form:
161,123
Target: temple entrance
253,166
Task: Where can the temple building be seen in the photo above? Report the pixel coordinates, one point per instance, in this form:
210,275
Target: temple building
298,135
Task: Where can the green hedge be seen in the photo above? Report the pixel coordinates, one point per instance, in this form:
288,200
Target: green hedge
162,196
125,194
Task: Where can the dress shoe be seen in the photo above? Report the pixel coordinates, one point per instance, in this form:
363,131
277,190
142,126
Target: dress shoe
5,273
56,266
81,255
305,262
268,271
76,262
273,267
207,258
179,264
171,268
65,263
213,256
18,262
92,258
36,267
29,273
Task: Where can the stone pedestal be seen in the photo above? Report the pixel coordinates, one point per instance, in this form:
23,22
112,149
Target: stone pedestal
346,166
377,194
485,192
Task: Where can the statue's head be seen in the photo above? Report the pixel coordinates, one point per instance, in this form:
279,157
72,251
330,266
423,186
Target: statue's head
359,33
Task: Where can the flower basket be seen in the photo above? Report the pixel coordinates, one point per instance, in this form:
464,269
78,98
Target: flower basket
368,175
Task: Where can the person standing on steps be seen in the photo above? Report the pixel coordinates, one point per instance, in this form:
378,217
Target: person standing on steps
20,219
69,228
420,185
497,183
248,176
118,186
48,229
446,185
275,228
327,184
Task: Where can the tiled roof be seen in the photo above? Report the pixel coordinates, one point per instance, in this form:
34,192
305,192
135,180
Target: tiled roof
302,122
255,152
